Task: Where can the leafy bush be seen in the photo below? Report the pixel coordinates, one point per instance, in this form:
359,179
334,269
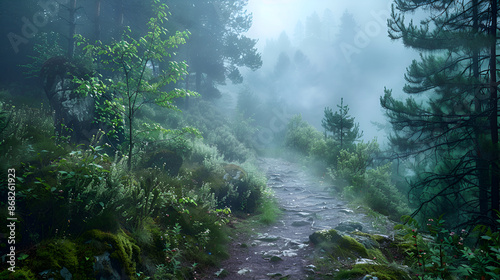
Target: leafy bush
446,255
372,187
228,145
381,194
301,136
201,151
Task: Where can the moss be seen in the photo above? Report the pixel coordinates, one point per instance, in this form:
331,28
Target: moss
324,236
338,245
125,249
383,272
376,254
19,274
55,255
350,274
350,244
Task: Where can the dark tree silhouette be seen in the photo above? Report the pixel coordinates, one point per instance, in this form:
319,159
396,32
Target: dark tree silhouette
449,125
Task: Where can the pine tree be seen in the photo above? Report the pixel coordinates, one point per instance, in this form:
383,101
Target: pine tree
449,123
341,125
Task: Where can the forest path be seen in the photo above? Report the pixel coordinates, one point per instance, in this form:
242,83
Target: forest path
283,249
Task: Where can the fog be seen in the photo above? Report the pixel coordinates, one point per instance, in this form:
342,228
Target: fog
347,54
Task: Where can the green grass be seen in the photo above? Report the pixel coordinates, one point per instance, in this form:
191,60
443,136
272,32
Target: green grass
268,208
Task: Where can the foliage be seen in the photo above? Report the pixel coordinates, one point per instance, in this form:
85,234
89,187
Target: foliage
371,186
47,46
446,255
228,144
231,137
301,136
26,131
130,58
352,166
268,208
218,47
452,122
341,126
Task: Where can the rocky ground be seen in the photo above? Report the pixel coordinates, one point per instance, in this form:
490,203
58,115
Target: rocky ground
283,250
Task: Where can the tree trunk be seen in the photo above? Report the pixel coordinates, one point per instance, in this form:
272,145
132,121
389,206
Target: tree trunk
481,161
130,142
119,17
495,195
97,31
72,29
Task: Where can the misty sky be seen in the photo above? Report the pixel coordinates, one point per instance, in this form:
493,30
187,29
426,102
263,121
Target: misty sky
271,17
373,60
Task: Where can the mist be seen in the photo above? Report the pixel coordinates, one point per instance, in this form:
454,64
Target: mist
346,54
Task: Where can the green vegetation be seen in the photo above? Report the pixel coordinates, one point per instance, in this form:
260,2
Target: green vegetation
341,125
435,252
135,86
352,169
159,205
268,208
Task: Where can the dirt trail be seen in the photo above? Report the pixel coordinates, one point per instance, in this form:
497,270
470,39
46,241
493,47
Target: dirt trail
283,248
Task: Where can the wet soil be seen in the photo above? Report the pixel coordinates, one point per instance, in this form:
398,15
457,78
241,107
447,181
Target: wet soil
283,250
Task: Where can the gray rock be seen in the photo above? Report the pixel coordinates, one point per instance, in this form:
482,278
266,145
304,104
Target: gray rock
311,269
268,238
270,254
66,274
300,223
244,271
221,273
103,268
349,226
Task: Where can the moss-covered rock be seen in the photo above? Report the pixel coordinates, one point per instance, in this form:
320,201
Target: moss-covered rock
121,246
54,255
383,272
234,173
338,245
324,236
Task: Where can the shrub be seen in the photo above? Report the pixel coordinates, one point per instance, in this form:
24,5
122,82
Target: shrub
446,255
301,136
372,187
228,145
200,151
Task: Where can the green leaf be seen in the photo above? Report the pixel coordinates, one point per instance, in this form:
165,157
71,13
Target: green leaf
22,256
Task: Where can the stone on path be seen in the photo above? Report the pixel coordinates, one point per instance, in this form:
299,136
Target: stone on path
267,238
349,226
244,271
300,223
